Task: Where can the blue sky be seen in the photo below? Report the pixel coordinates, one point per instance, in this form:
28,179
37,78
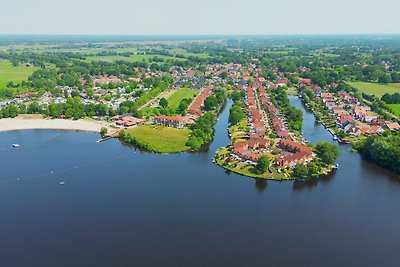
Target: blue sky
199,17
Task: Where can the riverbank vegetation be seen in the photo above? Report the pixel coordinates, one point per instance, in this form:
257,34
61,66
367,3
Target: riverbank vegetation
383,150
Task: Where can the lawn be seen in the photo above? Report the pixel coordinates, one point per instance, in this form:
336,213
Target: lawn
395,108
161,139
16,74
149,112
376,89
176,98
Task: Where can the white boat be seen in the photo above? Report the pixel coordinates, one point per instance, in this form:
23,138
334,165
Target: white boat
62,183
15,145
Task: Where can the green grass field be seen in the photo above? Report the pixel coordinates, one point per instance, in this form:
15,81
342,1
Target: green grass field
395,108
16,74
161,139
149,112
376,89
133,58
176,98
183,52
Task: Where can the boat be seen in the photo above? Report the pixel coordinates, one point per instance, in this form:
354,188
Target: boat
334,137
15,145
62,183
337,166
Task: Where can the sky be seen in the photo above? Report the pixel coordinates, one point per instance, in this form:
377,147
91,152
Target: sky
200,17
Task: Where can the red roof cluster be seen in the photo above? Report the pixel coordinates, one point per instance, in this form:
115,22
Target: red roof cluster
299,153
170,118
273,114
292,159
245,149
195,107
293,146
28,94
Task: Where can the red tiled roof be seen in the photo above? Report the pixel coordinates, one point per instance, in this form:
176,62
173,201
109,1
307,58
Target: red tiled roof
170,118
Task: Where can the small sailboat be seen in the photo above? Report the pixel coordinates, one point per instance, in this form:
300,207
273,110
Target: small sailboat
15,145
62,183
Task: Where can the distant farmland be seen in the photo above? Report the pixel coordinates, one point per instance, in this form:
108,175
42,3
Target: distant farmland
376,89
133,58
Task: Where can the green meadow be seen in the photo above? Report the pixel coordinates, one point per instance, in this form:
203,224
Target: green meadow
175,99
376,89
160,139
395,108
10,73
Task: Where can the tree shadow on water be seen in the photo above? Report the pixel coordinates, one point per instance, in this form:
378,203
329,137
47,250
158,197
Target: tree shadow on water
312,183
261,184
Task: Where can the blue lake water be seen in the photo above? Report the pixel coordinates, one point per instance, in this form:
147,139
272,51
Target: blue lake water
124,207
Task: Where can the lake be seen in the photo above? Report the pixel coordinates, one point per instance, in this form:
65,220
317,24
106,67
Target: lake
121,206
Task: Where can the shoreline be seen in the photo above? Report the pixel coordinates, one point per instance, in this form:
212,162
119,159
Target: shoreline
39,123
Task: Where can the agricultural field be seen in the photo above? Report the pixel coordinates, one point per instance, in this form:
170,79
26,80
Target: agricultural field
395,108
183,52
175,99
161,139
10,73
133,58
376,89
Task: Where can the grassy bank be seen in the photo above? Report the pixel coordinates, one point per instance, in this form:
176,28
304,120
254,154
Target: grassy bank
160,139
246,169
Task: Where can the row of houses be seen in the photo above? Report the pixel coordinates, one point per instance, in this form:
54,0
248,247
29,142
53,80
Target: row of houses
291,151
251,149
170,121
353,118
256,120
294,152
277,121
195,107
257,143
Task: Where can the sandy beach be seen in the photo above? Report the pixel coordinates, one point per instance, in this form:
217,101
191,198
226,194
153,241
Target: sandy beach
24,123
